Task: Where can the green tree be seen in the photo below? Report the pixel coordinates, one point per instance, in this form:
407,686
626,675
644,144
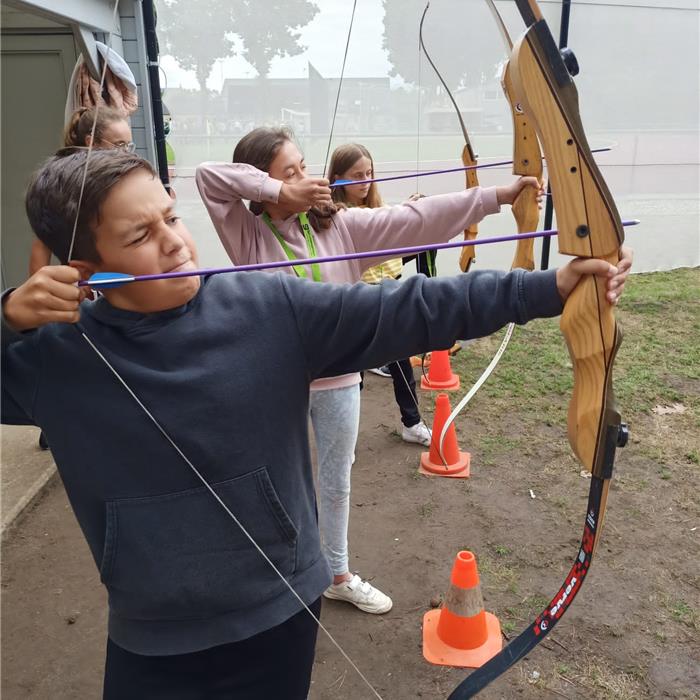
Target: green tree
272,32
461,37
196,34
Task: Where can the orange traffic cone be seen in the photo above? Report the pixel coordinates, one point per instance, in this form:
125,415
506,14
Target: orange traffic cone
456,463
461,633
440,376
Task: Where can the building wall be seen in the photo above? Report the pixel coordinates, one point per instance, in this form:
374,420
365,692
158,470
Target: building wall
39,52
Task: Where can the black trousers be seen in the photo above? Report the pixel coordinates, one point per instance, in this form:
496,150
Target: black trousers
405,396
272,665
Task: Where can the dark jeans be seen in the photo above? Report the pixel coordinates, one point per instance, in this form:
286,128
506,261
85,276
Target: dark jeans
276,663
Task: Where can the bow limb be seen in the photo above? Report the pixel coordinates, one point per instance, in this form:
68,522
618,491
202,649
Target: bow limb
467,256
590,226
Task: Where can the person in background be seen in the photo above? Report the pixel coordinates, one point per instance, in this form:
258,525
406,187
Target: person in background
112,130
354,162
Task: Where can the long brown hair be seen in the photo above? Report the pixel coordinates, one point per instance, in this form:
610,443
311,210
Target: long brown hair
343,158
259,148
80,125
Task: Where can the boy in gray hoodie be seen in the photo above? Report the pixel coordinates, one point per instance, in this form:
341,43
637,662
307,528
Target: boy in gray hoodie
192,483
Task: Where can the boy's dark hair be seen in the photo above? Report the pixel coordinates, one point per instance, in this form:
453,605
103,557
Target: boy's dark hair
54,191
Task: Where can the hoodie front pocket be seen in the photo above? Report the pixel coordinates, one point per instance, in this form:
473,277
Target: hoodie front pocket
182,556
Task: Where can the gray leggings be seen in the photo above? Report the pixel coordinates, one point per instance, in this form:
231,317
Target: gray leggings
335,416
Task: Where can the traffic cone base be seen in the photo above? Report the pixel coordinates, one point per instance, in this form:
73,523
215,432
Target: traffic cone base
437,652
440,376
458,470
451,384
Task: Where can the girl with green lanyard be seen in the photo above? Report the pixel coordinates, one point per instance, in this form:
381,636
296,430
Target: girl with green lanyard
291,216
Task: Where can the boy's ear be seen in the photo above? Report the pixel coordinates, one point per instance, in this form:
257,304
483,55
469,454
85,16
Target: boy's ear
84,267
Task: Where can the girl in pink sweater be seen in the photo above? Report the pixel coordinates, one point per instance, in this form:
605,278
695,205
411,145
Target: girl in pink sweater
291,216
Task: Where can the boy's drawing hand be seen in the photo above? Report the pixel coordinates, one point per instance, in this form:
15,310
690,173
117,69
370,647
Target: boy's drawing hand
50,295
616,275
509,193
307,193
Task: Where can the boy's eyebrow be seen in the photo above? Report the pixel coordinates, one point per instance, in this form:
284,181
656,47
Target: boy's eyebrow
166,212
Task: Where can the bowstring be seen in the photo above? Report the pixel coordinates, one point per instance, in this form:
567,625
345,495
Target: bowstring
340,84
98,101
160,428
228,511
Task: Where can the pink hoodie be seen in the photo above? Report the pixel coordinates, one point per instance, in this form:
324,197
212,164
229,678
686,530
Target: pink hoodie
247,239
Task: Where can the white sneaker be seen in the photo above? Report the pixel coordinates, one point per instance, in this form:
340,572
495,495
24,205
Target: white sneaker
360,593
418,433
381,371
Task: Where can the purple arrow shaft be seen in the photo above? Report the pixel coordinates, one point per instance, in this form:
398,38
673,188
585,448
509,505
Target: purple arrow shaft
387,252
482,166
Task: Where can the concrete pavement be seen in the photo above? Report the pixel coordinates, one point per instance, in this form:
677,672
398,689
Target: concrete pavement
25,470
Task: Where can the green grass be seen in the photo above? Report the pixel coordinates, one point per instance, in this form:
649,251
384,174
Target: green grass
658,364
683,613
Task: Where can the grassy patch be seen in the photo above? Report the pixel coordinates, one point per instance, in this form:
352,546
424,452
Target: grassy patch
683,613
658,365
602,681
498,573
526,609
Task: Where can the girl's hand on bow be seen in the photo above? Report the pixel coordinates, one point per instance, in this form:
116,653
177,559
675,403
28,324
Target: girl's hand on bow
50,295
509,193
615,275
304,194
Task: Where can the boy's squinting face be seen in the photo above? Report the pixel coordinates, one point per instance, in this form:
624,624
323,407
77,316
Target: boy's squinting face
139,233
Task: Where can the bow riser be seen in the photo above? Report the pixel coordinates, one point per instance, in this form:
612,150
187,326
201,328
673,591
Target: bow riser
589,217
592,337
527,160
468,255
527,157
582,201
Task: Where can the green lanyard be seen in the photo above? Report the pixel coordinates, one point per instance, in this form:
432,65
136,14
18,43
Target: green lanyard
430,260
310,246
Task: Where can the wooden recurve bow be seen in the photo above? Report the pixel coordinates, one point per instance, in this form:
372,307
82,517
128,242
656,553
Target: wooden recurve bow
589,226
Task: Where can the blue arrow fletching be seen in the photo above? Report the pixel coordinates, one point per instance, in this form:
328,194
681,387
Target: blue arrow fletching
107,280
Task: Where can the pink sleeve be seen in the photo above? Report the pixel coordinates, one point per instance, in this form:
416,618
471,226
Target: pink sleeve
223,187
435,219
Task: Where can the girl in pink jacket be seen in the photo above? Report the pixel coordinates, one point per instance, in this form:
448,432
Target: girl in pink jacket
291,216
